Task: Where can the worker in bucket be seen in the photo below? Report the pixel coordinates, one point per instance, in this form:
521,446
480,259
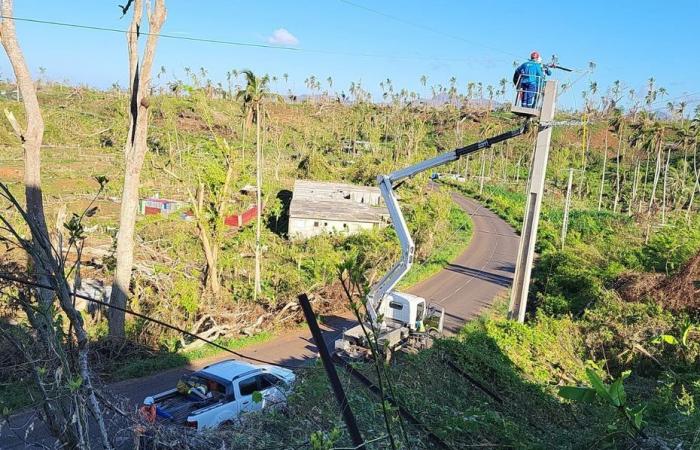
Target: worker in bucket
529,79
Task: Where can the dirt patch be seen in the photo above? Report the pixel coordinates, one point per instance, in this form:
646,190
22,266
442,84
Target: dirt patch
10,174
680,292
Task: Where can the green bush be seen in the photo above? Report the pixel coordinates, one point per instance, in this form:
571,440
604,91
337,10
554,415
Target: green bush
565,283
670,247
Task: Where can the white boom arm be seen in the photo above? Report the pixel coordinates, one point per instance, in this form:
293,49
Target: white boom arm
386,187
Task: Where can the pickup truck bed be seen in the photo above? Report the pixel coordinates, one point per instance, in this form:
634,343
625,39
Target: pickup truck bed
180,406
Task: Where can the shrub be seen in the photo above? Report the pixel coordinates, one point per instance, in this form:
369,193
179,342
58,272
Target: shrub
565,283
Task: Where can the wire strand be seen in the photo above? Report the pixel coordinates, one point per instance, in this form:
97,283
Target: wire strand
427,28
235,43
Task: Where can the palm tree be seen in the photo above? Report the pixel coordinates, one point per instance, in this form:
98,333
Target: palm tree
490,91
504,86
470,90
617,124
253,97
651,92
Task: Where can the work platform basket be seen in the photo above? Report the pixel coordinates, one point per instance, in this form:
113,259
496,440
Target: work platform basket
529,91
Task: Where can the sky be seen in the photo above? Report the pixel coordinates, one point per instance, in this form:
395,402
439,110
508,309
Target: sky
401,40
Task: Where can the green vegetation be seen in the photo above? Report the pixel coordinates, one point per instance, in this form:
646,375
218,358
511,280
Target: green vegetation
445,252
169,360
597,364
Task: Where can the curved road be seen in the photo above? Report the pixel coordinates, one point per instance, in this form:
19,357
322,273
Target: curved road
466,286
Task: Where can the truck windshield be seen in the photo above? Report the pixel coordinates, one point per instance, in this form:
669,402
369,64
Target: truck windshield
420,311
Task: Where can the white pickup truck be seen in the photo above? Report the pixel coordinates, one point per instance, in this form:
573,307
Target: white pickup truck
222,392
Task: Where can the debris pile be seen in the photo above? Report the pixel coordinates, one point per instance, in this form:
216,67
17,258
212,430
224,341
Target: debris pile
680,292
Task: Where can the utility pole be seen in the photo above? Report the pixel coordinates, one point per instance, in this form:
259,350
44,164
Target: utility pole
535,191
567,205
327,361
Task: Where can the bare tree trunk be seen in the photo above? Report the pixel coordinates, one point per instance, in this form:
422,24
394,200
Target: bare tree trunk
696,185
617,172
212,278
644,185
134,153
602,177
635,184
663,204
481,178
258,177
33,134
42,252
210,239
657,173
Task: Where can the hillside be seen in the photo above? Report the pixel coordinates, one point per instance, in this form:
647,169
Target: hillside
613,297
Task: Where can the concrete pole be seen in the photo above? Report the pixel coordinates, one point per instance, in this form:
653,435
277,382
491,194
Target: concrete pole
567,205
528,236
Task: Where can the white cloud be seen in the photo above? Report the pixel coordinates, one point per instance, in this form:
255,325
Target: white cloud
282,37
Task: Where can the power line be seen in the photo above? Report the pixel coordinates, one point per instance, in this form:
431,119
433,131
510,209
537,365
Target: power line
427,28
145,33
147,318
235,43
438,32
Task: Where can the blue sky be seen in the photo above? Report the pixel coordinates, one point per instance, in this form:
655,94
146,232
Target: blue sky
473,41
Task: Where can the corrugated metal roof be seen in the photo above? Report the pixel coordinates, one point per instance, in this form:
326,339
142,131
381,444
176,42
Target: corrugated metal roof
334,201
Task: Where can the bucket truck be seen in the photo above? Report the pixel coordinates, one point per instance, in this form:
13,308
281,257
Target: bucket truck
400,320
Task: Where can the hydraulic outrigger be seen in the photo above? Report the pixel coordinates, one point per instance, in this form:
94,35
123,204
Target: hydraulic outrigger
398,319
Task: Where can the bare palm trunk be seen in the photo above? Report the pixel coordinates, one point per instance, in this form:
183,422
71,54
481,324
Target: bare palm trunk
657,173
617,172
644,185
602,177
663,204
481,178
258,177
634,187
134,153
696,186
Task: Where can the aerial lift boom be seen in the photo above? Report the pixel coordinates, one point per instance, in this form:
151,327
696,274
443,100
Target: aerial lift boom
386,186
410,309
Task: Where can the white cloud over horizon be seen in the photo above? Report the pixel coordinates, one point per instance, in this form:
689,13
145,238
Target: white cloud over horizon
282,36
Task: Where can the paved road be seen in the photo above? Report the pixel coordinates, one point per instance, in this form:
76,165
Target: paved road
464,288
482,272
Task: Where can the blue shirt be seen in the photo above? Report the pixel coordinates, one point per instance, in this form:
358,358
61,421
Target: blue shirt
530,72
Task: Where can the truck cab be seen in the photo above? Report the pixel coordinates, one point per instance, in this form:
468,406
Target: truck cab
405,319
403,309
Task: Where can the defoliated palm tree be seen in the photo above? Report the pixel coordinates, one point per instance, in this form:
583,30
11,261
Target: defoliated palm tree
470,90
491,92
504,85
253,97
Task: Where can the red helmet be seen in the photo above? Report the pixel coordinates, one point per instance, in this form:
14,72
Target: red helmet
534,55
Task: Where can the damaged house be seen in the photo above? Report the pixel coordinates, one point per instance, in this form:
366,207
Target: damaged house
324,207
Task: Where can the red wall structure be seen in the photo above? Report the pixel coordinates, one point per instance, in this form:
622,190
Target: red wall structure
238,220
